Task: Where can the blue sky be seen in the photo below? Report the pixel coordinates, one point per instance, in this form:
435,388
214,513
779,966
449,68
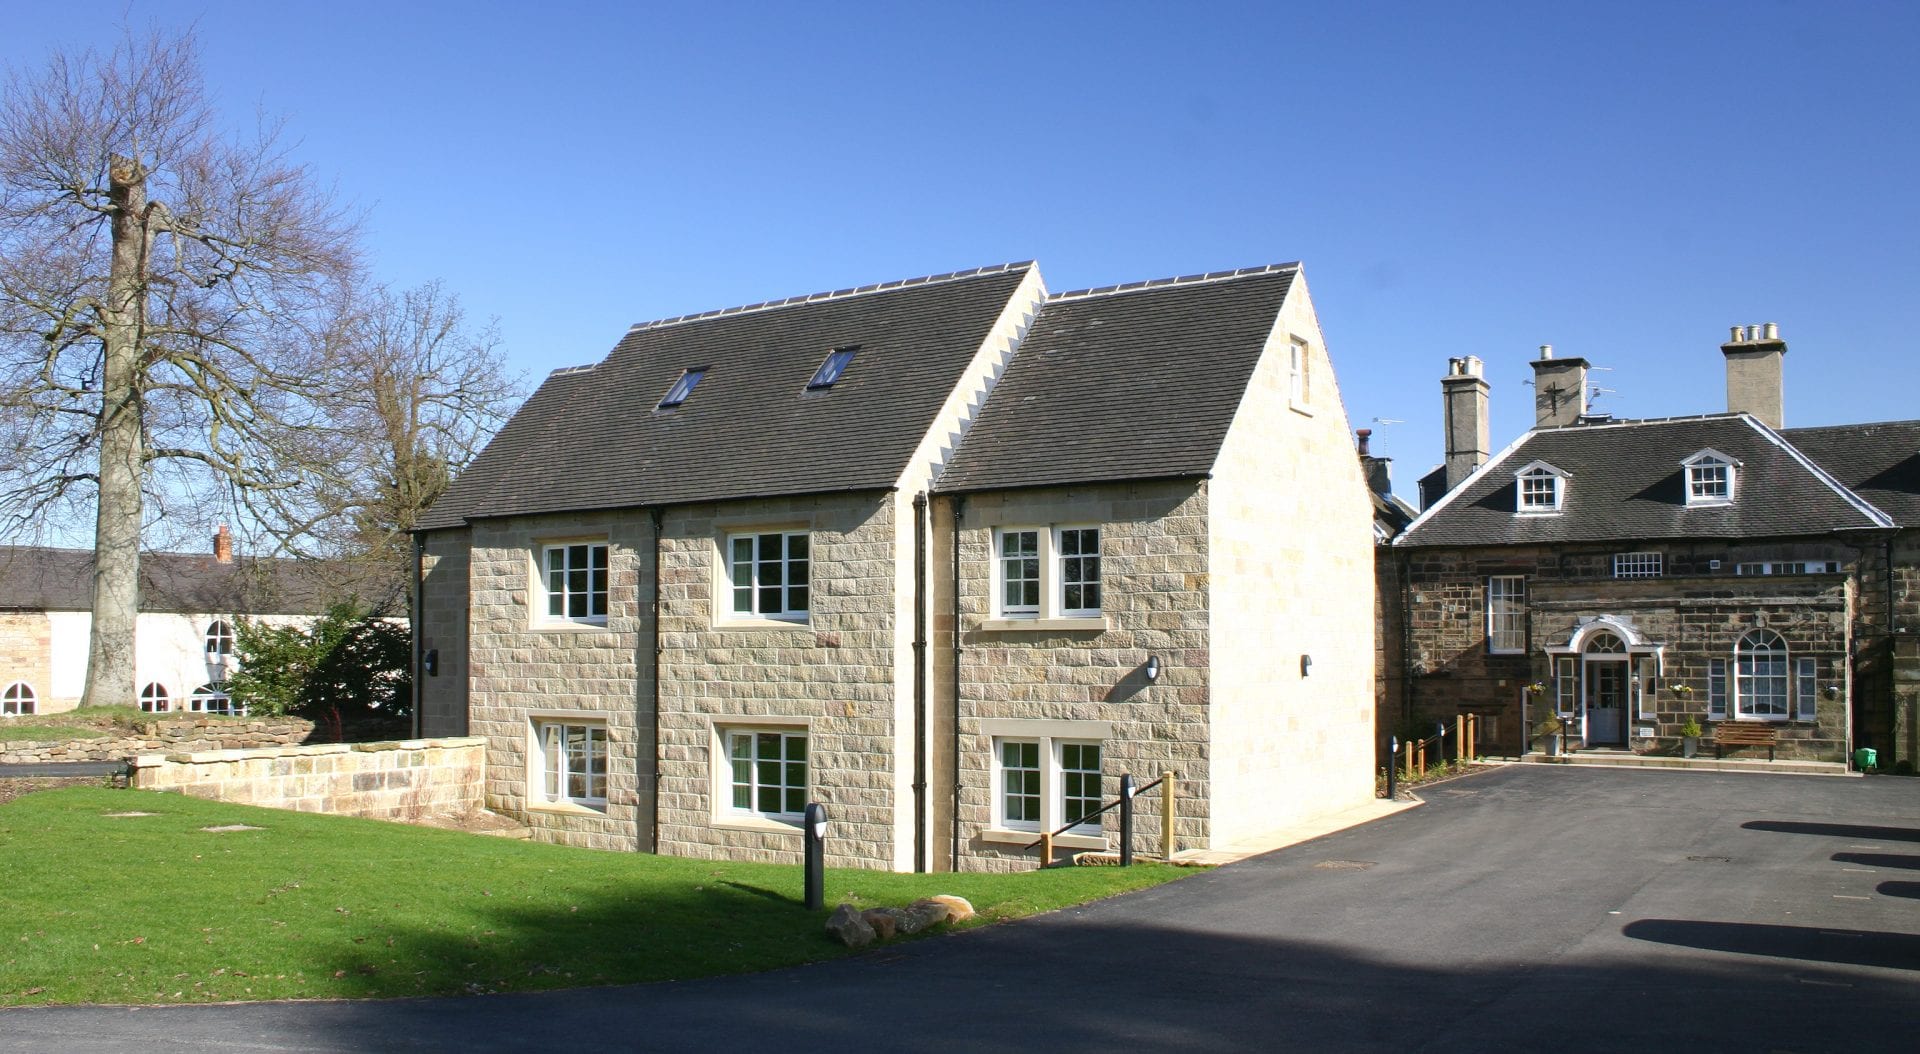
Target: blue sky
1623,181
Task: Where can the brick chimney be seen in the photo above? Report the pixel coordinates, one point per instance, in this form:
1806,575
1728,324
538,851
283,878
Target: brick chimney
1559,389
223,545
1376,469
1755,356
1464,393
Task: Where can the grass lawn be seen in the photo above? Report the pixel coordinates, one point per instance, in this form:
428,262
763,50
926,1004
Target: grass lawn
156,909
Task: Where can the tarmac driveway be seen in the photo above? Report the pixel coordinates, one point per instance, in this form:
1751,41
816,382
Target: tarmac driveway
1528,908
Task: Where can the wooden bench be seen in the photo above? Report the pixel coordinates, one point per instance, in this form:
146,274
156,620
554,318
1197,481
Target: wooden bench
1743,734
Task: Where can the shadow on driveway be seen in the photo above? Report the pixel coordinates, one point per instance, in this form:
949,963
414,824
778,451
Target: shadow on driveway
1898,951
1905,863
1836,830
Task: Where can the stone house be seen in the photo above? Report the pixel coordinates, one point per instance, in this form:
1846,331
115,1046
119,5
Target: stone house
183,636
1634,575
742,596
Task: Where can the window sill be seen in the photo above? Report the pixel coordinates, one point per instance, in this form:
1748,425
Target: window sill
563,626
754,624
1301,408
1006,836
751,822
1097,623
567,808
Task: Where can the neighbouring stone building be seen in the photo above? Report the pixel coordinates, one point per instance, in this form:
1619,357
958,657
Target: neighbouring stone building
947,555
183,636
1631,576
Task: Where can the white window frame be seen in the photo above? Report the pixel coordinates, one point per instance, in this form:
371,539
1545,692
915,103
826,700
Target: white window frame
212,698
832,367
1566,685
788,611
19,700
1299,373
545,573
1712,478
1053,780
729,785
155,699
1806,687
219,640
682,388
552,779
1749,680
1716,689
1506,614
1539,500
1639,565
1050,563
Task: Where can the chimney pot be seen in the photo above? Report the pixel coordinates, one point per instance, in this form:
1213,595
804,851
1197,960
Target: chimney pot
1773,331
1546,351
1364,435
1737,337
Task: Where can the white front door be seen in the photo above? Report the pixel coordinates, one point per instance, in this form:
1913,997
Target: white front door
1606,702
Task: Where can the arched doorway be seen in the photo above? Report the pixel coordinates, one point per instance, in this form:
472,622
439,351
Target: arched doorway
1604,676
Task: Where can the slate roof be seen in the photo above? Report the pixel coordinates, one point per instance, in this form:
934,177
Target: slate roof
1129,382
1880,462
591,438
1627,483
34,578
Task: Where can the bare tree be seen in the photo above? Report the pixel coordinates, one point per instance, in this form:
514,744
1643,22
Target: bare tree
167,298
421,391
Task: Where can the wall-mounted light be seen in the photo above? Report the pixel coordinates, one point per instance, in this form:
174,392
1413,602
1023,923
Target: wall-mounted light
1306,665
431,660
1153,668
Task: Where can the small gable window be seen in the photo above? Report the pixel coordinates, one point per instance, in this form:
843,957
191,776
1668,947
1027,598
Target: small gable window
17,699
154,700
682,388
1710,478
219,640
1542,488
831,369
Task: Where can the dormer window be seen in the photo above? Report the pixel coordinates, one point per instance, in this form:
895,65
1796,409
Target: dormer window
1541,487
682,388
831,369
1710,478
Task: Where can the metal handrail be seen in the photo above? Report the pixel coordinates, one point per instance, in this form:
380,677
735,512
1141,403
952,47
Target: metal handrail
1071,824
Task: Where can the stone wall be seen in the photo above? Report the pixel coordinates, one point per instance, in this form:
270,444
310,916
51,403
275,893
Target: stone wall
523,668
1698,610
406,780
833,676
1019,680
1290,599
167,735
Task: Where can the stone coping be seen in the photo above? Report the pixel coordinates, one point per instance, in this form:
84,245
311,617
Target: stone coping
300,750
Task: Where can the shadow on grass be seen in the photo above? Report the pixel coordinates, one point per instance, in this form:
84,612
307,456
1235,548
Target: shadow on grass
1898,951
771,894
1865,832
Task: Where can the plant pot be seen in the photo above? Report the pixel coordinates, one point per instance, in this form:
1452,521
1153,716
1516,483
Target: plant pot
1550,744
1689,746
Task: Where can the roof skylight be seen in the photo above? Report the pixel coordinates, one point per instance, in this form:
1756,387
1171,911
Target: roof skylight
682,388
831,369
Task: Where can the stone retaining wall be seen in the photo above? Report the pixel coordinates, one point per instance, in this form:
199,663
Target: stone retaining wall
406,780
166,736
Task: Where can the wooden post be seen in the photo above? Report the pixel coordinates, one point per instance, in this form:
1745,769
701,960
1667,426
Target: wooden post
1460,737
1046,849
1422,757
1166,817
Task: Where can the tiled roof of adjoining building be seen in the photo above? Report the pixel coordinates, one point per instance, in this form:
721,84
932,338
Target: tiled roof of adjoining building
592,438
1130,382
1627,482
34,578
1880,462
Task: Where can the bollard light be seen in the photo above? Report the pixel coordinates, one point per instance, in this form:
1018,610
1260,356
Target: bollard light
814,830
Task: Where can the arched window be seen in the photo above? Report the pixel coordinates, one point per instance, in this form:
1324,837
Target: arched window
153,699
17,699
1605,644
219,640
213,699
1760,676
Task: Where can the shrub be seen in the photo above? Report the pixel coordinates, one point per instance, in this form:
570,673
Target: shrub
348,664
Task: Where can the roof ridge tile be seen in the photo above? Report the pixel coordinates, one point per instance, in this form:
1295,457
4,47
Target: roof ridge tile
1167,283
836,294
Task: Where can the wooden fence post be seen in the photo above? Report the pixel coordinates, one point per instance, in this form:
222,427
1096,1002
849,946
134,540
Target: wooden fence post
1166,817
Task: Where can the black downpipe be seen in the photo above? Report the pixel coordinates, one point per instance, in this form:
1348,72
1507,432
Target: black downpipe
651,723
1404,572
959,510
416,607
920,727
